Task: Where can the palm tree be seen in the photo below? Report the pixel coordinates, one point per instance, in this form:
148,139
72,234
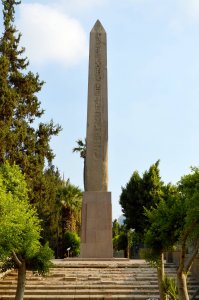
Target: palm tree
70,198
71,201
81,149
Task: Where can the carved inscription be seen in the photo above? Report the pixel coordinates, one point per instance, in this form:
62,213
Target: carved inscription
97,139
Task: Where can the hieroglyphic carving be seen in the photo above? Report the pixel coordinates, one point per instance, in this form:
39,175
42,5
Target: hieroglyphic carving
97,139
96,166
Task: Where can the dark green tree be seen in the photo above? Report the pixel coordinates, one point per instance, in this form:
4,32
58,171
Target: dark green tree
49,207
70,200
59,207
141,192
20,141
115,228
71,242
120,238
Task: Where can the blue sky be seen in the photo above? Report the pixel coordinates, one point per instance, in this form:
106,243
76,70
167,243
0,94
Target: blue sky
153,81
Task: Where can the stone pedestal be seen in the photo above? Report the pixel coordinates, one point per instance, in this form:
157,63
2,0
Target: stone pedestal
96,231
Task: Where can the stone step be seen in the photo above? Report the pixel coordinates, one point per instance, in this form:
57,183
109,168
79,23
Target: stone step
69,287
83,281
91,291
90,274
108,281
83,292
80,297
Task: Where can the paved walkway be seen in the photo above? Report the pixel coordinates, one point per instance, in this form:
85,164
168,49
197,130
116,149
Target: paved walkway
115,262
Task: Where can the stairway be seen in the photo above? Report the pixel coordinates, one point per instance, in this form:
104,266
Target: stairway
77,279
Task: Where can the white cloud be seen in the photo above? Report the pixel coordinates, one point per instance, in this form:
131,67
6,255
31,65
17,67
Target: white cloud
192,8
186,14
188,10
75,7
51,36
80,5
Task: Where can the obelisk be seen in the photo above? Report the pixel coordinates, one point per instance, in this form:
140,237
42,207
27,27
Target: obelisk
96,231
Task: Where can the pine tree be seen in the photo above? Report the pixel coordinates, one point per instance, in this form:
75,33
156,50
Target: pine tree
19,107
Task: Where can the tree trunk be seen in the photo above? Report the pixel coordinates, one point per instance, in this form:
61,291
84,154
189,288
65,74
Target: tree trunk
160,271
21,281
182,286
84,175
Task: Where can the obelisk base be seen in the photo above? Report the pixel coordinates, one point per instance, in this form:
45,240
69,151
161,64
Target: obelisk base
96,231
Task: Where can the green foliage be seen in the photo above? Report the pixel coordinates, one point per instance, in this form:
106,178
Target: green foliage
152,256
189,191
49,207
115,228
72,241
59,207
130,234
175,220
120,241
26,144
70,198
81,148
21,142
14,180
20,226
7,264
120,238
170,288
166,221
141,192
41,261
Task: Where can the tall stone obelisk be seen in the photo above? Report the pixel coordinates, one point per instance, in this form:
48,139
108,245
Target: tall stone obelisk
96,231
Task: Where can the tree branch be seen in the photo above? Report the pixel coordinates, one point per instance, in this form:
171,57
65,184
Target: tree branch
192,257
183,245
18,262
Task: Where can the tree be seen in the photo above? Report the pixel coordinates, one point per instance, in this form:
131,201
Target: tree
139,192
130,234
189,237
115,228
122,238
49,207
162,233
20,141
72,242
81,149
175,221
70,199
20,228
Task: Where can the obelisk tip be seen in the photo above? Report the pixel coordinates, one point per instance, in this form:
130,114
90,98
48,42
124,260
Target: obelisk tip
98,27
